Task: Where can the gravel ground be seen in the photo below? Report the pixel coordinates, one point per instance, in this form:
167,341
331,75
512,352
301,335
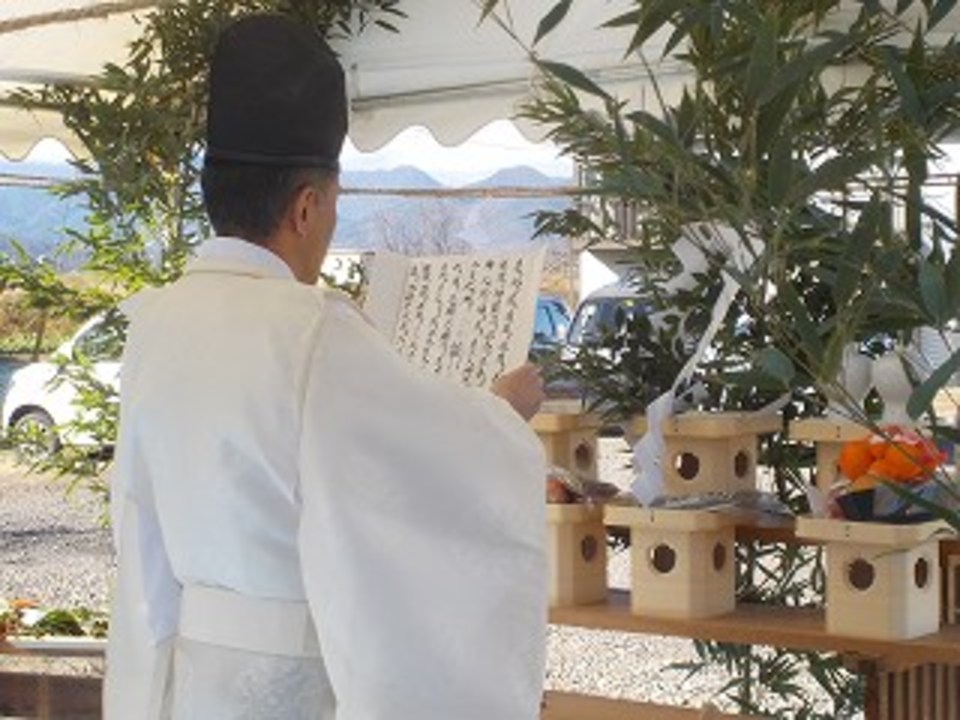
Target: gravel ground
53,549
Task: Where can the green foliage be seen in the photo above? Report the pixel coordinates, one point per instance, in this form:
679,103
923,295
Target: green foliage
28,332
97,405
76,622
41,305
626,367
768,140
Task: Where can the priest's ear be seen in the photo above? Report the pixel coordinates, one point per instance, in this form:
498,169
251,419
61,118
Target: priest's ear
314,202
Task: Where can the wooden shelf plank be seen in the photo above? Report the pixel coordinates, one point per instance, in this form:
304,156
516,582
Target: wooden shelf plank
869,533
721,424
570,706
798,629
552,422
824,430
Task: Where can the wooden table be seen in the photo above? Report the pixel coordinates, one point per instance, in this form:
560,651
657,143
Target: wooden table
51,696
570,706
917,679
793,628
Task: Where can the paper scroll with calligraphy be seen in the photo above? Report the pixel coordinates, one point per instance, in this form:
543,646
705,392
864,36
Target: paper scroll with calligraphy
465,317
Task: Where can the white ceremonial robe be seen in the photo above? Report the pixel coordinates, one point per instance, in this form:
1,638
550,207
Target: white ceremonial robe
274,450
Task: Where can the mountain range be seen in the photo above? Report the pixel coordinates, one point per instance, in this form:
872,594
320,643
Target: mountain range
38,219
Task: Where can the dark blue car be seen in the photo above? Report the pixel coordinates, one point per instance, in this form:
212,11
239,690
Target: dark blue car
550,326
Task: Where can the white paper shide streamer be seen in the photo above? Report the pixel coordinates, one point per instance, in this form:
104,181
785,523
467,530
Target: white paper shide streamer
740,253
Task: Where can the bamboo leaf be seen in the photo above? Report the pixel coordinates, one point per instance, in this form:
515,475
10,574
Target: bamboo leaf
803,323
388,26
654,15
952,274
909,98
856,252
922,396
806,65
573,77
872,8
488,7
933,290
628,19
941,93
683,27
775,363
780,174
763,60
833,174
676,37
772,120
553,18
654,125
940,10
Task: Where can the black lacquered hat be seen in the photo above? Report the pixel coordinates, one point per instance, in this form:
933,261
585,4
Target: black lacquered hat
276,96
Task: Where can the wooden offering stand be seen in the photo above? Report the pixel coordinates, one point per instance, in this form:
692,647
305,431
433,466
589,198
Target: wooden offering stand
682,561
569,437
883,581
577,554
713,452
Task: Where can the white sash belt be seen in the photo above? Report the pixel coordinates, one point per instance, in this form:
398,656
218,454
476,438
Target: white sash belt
229,619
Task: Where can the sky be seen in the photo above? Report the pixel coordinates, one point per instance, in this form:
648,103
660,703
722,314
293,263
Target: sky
497,146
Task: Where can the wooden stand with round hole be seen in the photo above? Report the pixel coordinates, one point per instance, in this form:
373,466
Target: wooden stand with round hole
883,581
713,452
682,561
577,553
569,440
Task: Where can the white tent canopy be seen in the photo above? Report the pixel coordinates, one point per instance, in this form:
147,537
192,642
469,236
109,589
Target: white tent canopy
444,70
38,43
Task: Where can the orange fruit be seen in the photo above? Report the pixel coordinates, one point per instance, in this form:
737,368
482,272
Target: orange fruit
855,459
882,470
908,461
878,447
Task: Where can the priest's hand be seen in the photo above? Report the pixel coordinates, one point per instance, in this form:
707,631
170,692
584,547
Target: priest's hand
522,388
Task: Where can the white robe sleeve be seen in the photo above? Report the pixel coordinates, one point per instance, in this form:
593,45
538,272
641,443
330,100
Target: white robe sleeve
421,538
145,604
138,661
